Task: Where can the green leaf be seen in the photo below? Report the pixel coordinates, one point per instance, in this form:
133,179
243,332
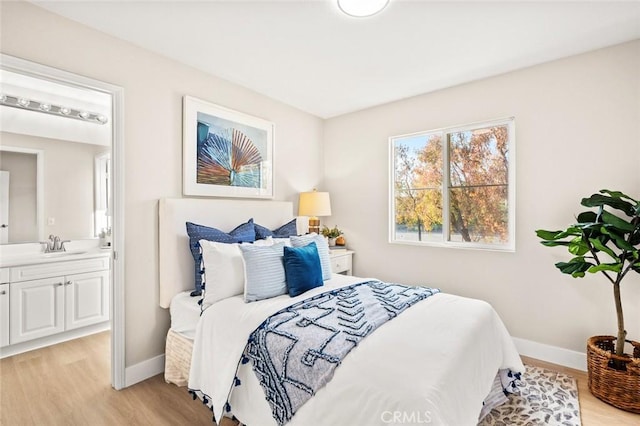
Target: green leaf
576,266
619,241
556,235
617,222
597,244
577,247
555,243
548,235
587,217
617,194
613,267
597,200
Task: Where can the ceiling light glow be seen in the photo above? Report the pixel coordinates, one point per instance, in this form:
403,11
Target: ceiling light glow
362,8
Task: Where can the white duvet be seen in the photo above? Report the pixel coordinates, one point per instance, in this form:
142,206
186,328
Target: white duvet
433,364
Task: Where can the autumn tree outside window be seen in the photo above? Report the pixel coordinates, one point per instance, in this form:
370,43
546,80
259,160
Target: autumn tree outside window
454,186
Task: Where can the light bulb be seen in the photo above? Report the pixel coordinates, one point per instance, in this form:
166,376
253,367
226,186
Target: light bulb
102,119
362,8
84,115
3,97
45,107
23,102
65,111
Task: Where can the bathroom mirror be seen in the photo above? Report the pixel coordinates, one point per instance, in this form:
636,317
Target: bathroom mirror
52,136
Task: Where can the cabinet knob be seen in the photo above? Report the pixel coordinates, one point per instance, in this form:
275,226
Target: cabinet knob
3,292
68,283
58,284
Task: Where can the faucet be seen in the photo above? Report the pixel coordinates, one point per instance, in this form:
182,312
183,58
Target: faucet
54,244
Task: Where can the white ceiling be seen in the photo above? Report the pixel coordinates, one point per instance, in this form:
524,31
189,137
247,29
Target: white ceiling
307,54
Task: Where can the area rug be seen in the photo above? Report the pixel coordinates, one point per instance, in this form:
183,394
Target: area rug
544,397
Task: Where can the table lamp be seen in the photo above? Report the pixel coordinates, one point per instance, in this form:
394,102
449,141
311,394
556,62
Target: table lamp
314,204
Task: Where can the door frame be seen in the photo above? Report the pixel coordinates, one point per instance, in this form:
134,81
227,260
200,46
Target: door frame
117,304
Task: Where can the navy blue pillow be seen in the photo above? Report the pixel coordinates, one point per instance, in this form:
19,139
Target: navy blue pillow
302,268
244,233
285,231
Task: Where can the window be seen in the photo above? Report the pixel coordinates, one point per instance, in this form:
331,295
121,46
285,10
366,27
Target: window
461,196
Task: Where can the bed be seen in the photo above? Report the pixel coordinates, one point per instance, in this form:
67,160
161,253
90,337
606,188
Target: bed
438,362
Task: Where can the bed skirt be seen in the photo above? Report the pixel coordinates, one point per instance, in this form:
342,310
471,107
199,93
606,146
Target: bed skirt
177,359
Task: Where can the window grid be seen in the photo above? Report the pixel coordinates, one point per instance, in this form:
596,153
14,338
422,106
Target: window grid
447,186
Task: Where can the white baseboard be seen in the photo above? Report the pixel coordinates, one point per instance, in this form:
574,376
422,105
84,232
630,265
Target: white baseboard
144,370
53,339
552,354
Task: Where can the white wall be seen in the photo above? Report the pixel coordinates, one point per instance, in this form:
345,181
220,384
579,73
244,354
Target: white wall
577,131
153,89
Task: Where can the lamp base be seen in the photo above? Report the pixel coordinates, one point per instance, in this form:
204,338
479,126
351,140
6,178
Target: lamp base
314,225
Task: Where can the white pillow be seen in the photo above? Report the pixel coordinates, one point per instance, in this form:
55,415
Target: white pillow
323,250
265,242
285,241
223,271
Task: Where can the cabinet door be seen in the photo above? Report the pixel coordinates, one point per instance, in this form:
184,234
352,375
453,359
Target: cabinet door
87,299
36,309
4,315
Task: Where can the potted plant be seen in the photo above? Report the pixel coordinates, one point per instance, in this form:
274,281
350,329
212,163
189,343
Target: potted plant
606,241
331,234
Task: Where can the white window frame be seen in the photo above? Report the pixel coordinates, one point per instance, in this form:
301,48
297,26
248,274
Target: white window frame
510,246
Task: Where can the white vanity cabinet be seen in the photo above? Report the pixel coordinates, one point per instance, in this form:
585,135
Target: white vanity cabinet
37,309
56,297
86,299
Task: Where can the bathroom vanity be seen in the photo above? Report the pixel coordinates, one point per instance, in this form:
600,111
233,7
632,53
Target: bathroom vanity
47,298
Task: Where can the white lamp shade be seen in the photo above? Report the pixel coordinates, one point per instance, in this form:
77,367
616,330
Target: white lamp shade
314,204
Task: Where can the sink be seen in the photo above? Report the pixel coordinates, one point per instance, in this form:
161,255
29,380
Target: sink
63,253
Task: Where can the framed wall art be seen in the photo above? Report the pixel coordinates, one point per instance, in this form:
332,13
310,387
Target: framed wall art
226,153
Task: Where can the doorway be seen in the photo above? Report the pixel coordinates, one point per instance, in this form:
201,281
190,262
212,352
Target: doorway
49,75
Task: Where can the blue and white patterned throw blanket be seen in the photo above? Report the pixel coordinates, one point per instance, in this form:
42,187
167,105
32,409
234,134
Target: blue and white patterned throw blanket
296,350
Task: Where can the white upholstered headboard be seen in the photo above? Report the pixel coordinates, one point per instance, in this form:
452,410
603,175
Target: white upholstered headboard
176,263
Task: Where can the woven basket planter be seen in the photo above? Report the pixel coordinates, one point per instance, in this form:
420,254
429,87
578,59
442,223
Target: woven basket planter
620,386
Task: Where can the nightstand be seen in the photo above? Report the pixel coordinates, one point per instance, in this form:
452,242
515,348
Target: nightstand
341,261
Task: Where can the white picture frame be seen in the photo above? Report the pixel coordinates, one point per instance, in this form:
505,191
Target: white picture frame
226,153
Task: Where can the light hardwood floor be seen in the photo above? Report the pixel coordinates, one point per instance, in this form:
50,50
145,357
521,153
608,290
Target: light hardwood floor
68,384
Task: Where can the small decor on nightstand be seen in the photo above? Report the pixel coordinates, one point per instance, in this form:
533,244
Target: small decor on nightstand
332,234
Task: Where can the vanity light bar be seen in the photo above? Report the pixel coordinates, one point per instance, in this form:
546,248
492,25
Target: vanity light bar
47,108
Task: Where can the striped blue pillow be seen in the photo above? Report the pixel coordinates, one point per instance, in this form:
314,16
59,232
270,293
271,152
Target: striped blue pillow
323,250
264,271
